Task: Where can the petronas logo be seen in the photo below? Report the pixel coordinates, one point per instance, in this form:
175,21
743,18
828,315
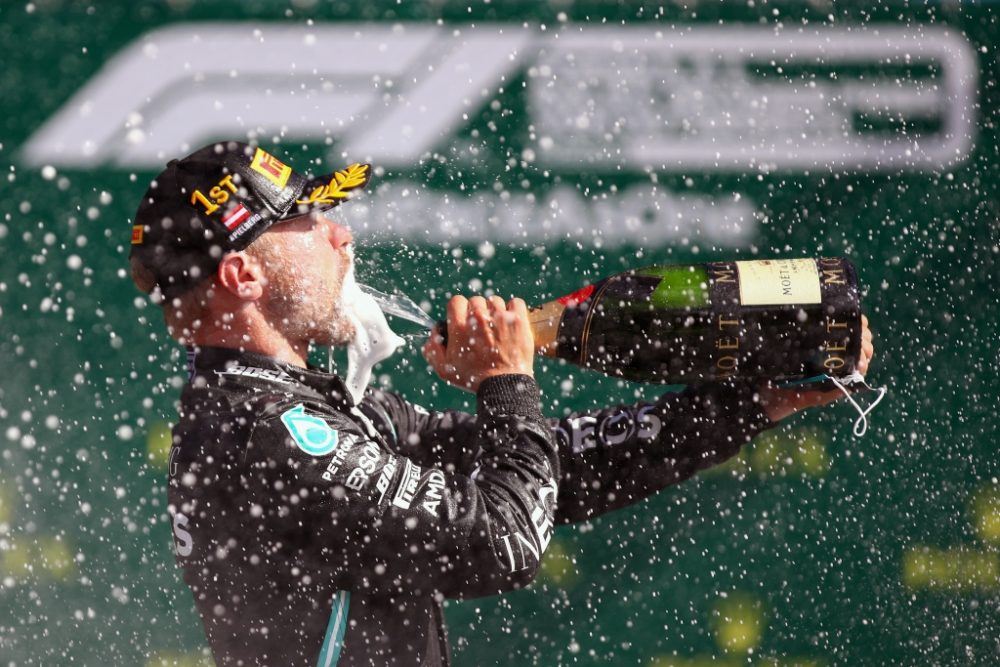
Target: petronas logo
310,434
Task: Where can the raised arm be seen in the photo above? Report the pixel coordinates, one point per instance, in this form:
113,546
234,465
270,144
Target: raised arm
615,457
612,457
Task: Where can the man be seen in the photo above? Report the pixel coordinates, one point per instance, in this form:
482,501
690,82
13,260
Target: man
313,529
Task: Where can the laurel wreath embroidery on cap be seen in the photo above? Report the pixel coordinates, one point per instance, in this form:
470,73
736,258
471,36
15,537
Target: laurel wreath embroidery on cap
340,185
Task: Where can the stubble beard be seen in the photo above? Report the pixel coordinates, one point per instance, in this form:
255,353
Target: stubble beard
308,307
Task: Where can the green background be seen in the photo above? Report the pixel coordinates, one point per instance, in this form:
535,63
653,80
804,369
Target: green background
813,548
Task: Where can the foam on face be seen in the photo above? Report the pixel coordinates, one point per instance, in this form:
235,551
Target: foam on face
373,339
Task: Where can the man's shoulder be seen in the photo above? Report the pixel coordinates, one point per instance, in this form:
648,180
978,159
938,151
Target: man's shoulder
281,414
271,429
242,403
261,408
244,390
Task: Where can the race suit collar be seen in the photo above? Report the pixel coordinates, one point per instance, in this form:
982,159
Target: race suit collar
215,365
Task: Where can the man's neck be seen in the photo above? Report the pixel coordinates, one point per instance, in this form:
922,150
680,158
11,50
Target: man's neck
255,335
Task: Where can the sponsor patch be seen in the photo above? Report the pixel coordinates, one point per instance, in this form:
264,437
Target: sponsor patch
345,443
385,478
262,373
434,489
249,224
310,434
584,433
368,462
271,168
407,486
518,547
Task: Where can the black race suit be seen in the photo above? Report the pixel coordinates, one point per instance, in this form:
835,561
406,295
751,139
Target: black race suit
316,532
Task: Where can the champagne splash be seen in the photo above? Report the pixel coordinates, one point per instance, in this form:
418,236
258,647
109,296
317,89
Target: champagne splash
399,305
373,339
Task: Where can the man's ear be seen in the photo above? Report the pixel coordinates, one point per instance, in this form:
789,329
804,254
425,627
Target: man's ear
242,276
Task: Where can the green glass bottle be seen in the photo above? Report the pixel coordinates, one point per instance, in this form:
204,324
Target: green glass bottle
781,319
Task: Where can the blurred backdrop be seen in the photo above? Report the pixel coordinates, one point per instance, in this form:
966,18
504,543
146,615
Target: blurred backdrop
528,149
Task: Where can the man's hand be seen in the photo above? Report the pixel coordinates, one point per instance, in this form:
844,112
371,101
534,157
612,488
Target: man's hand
779,403
485,338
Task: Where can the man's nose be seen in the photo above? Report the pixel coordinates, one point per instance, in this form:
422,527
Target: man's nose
339,235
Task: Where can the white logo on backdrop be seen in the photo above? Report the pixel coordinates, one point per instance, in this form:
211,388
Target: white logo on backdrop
606,100
740,97
600,98
388,92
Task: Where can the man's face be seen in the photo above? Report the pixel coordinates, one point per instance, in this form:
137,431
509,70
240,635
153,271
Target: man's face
305,261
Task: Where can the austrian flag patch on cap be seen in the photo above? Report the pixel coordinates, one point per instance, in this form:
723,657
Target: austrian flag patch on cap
219,199
238,215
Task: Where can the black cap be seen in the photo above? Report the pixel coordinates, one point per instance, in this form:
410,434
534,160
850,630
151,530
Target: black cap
220,199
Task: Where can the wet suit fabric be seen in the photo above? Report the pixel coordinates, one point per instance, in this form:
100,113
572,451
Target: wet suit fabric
313,531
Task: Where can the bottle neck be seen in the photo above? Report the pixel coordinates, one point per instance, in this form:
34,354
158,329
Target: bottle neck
544,322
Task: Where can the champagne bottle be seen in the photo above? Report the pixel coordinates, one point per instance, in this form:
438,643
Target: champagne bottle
783,319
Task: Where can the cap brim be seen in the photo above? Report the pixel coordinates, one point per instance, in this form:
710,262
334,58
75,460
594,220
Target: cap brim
326,192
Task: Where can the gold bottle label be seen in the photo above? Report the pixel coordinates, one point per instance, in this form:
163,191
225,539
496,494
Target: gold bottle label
774,282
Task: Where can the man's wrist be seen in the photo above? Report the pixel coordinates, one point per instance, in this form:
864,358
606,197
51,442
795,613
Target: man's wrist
781,402
498,372
509,393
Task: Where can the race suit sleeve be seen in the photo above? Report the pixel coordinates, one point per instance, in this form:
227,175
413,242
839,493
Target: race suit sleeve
620,455
608,458
336,496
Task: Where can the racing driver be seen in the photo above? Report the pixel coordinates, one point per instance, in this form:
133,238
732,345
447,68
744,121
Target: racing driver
316,526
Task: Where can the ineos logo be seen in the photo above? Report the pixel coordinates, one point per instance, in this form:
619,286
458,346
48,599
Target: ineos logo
586,432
